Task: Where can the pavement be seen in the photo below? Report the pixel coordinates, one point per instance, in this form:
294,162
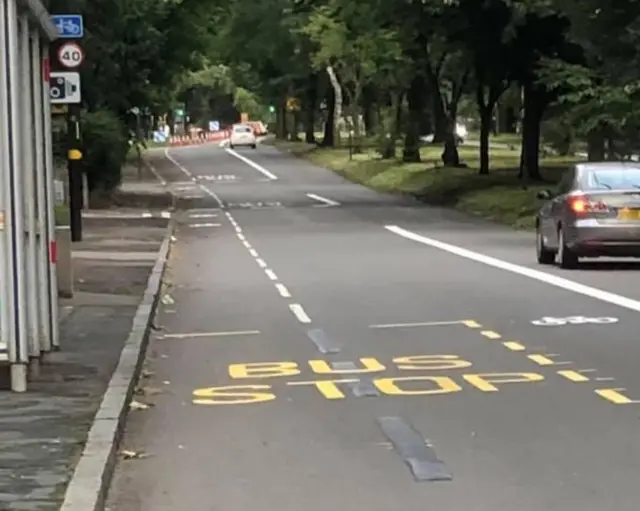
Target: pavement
301,304
43,431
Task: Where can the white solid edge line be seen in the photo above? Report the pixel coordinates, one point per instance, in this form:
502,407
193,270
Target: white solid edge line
176,163
284,292
547,278
299,313
324,200
253,164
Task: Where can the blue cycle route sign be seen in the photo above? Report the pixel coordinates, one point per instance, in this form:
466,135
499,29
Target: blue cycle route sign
70,26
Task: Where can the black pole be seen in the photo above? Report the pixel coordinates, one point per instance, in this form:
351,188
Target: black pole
74,167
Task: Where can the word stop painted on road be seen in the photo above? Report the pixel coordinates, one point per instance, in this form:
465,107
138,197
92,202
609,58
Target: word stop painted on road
334,389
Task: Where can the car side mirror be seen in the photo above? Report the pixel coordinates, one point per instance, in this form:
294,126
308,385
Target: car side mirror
544,195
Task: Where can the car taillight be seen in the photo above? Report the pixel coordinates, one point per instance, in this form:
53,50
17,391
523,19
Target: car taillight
583,204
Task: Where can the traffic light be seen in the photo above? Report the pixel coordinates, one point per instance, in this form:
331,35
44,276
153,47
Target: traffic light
272,109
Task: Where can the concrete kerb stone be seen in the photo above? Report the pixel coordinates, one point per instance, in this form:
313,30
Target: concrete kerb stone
87,489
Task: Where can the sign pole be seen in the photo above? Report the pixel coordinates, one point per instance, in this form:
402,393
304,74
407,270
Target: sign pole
74,168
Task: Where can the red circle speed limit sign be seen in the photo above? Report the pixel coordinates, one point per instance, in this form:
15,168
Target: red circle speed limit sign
70,55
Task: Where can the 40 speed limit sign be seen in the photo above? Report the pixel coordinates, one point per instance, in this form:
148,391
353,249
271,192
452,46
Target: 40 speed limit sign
70,55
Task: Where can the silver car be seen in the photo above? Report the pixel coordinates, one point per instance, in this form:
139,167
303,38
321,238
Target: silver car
594,212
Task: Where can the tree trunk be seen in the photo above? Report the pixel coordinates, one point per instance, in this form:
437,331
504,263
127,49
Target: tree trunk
411,151
337,110
369,111
393,135
281,122
534,104
310,109
328,140
486,114
450,156
440,120
595,145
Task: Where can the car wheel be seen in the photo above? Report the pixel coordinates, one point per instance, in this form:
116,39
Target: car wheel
231,146
545,256
253,146
566,257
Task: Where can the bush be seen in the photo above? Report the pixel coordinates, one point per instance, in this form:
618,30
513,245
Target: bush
105,147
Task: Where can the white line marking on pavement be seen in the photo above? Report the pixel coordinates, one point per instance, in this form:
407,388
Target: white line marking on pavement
247,245
261,263
165,214
324,200
284,292
253,252
197,226
547,278
271,274
241,237
176,163
406,325
210,334
203,215
299,313
253,164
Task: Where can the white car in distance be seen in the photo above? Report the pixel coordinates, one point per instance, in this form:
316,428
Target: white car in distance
242,135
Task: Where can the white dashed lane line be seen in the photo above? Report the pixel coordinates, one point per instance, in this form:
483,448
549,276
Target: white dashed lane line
297,309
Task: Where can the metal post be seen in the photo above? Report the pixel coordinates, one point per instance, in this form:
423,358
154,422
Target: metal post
74,168
49,176
27,125
40,195
7,339
21,355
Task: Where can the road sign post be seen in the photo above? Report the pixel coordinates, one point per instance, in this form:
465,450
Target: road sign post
65,89
70,55
70,26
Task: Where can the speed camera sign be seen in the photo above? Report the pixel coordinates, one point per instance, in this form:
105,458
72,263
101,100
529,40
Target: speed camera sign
70,55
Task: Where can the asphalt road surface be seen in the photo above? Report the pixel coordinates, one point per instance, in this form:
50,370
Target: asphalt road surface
326,347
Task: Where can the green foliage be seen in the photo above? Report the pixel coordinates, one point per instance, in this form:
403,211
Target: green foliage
105,149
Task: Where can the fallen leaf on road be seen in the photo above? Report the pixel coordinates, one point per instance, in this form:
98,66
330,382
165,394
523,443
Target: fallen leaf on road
134,455
148,391
137,405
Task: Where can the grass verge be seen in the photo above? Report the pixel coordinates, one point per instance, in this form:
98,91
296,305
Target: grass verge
61,214
500,196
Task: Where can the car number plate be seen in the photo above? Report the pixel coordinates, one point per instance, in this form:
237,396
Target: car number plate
629,214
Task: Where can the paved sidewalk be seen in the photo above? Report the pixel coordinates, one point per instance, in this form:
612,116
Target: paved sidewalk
42,432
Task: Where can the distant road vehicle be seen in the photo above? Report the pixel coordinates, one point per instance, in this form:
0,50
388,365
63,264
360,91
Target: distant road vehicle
594,212
242,135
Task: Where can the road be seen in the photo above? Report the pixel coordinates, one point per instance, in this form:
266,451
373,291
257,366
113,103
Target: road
327,347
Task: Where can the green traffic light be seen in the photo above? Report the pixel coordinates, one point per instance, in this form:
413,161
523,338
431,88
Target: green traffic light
272,108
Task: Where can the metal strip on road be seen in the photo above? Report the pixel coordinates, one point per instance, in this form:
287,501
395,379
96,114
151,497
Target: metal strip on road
364,388
322,341
409,444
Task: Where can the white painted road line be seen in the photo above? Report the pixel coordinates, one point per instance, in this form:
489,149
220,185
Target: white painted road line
253,252
198,226
176,163
203,215
261,263
284,292
410,325
271,274
210,334
253,164
324,200
547,278
299,313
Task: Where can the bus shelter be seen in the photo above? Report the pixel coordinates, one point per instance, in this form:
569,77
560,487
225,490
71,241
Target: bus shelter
28,287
